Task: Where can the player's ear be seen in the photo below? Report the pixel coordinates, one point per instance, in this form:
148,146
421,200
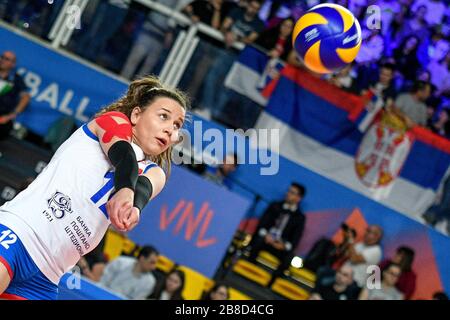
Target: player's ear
135,114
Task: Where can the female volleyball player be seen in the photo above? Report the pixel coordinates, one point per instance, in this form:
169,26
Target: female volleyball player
104,173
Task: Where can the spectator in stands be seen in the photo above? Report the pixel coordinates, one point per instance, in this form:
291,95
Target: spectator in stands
344,79
211,13
382,85
219,291
208,12
364,254
224,170
240,25
416,25
432,48
435,10
440,75
406,58
371,48
277,40
440,210
92,266
411,106
14,96
342,288
404,258
442,125
386,289
108,18
170,288
280,229
155,36
132,277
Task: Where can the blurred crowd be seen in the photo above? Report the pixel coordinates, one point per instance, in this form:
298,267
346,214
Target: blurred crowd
404,58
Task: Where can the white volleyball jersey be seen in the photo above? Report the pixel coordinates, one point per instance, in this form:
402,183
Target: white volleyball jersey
61,216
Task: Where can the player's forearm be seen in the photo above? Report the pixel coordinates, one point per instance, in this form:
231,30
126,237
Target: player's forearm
124,160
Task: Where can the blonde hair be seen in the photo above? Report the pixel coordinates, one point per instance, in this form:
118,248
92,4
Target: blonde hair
141,93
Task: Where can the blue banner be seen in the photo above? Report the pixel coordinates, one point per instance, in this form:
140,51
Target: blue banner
59,85
192,221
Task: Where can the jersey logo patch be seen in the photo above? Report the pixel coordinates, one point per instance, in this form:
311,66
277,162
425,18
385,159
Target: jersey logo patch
59,204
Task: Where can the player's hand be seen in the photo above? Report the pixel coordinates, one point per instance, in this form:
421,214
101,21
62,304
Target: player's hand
119,207
133,219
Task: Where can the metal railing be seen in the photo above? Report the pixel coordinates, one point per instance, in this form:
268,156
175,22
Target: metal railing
180,54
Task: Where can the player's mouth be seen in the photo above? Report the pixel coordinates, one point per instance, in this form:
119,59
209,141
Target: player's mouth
162,142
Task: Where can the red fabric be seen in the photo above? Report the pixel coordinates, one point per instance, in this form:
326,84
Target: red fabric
406,284
7,266
428,137
280,46
112,128
351,103
7,296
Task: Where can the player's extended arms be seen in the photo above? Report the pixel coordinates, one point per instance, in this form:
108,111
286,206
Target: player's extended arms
124,160
143,192
114,131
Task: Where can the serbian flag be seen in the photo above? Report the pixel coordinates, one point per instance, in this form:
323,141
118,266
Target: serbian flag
253,71
348,139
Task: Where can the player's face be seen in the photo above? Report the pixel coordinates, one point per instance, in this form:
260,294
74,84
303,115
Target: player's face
158,126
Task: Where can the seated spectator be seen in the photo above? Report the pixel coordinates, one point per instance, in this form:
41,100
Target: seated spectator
404,257
364,254
440,75
132,277
386,289
435,10
406,58
344,79
342,288
371,48
14,96
92,266
382,85
220,175
277,40
280,229
416,25
170,288
442,125
411,106
432,48
339,256
220,291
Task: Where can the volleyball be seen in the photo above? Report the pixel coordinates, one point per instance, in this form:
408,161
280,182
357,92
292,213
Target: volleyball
327,38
